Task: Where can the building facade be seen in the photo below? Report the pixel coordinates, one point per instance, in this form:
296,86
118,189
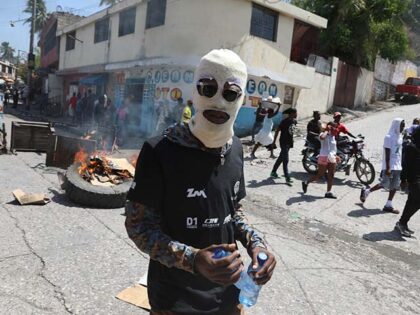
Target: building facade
49,44
8,73
148,50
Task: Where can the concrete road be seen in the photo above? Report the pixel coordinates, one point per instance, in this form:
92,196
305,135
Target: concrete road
64,259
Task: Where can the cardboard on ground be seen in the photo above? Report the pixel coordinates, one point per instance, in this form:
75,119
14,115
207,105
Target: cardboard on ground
136,295
122,164
30,199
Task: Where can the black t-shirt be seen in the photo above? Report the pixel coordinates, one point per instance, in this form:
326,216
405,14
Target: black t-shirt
195,192
287,128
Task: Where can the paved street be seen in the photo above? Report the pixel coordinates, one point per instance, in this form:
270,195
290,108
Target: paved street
334,257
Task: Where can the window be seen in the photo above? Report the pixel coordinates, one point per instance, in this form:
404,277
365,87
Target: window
50,39
70,40
264,22
101,30
127,22
156,10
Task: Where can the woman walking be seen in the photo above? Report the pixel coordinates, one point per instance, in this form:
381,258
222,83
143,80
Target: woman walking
327,159
265,136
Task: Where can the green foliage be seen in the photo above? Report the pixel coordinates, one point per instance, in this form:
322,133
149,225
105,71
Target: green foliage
359,30
6,51
41,14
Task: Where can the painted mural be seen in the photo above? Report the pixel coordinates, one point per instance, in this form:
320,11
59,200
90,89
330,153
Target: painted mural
165,90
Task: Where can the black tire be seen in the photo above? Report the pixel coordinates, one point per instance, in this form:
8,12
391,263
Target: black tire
397,97
307,165
82,192
365,171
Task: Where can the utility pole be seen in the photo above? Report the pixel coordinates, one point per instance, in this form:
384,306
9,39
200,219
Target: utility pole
31,57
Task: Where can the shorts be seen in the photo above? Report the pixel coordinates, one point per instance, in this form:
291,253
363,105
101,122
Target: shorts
323,160
391,182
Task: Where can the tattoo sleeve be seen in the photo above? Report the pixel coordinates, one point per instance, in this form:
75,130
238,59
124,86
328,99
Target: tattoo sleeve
143,226
244,232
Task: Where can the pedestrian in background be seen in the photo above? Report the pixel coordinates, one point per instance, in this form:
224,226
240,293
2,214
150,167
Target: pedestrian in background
187,113
265,136
327,159
410,175
6,97
286,130
79,109
260,114
15,97
391,165
72,107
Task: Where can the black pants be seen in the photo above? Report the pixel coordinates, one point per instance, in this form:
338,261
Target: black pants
412,205
283,158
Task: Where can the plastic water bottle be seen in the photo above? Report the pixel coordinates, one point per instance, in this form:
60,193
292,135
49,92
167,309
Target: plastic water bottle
220,253
249,289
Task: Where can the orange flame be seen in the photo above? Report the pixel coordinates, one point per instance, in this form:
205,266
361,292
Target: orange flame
133,160
81,157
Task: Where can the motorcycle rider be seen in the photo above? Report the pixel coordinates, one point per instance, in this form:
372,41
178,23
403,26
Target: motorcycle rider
314,129
341,128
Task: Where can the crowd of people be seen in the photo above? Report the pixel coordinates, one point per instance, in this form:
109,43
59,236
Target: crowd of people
12,95
400,163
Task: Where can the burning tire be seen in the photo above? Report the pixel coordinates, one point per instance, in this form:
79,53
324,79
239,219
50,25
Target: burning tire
84,193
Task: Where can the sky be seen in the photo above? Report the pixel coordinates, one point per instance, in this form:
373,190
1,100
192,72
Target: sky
18,36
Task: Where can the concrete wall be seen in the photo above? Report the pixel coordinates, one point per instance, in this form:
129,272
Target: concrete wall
321,96
315,98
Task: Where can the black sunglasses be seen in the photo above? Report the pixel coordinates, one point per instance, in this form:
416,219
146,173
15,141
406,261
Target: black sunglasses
208,87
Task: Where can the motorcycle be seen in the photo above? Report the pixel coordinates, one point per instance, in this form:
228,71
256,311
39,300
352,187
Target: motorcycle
351,155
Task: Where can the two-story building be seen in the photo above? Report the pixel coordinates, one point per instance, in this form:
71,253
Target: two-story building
149,50
49,44
7,73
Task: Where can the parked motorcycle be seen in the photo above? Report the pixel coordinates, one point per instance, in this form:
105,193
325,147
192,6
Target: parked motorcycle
351,155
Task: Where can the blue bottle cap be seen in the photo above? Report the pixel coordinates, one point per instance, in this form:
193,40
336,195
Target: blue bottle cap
262,258
219,253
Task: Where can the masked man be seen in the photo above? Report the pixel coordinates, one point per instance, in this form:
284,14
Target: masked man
184,202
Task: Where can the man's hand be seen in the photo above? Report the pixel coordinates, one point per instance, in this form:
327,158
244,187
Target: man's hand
265,273
388,172
225,271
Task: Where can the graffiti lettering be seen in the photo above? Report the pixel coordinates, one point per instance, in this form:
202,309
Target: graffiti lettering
175,76
176,94
158,93
272,90
157,76
149,78
188,76
262,87
165,76
250,87
254,100
165,91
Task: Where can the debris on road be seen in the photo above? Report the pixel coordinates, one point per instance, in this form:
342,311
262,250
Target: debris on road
136,295
30,199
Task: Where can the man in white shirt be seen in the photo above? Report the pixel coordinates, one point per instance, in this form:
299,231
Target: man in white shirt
391,165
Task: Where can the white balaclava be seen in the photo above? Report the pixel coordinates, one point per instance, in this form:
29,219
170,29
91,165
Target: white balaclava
225,67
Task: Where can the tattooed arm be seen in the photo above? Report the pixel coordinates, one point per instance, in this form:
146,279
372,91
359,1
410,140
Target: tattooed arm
244,232
143,224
